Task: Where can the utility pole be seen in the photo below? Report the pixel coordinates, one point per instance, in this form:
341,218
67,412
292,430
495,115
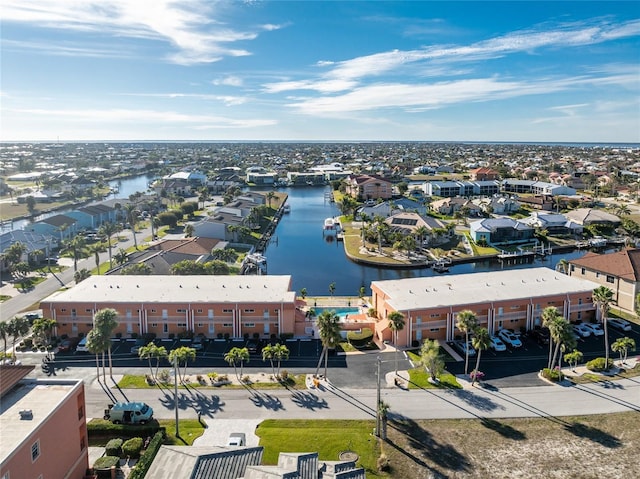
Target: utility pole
175,392
378,418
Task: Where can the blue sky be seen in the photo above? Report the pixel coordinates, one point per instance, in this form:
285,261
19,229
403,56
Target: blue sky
124,70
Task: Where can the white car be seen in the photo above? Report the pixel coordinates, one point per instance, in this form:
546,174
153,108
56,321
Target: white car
497,344
582,330
596,329
619,324
510,338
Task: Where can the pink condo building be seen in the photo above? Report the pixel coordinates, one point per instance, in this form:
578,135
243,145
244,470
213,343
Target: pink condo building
511,299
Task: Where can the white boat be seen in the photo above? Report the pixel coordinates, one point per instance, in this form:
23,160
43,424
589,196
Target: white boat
331,227
286,208
598,242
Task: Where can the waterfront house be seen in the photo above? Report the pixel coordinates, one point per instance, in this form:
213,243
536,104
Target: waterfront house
537,202
449,206
388,208
500,231
166,305
619,271
554,223
590,216
450,189
93,216
500,299
407,223
61,226
169,186
222,225
36,415
499,205
368,187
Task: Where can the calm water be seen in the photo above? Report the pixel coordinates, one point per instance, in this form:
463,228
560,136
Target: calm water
315,262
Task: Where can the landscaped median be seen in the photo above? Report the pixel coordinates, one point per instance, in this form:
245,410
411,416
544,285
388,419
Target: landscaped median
214,381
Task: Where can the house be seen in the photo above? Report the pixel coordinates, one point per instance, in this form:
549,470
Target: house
535,187
194,178
36,415
368,187
173,186
40,196
60,226
554,223
449,189
186,462
93,216
222,225
619,271
500,299
590,216
408,223
167,305
499,205
537,202
387,208
34,243
449,206
500,231
483,173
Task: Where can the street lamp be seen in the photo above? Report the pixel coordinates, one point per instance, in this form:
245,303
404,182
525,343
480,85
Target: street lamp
378,418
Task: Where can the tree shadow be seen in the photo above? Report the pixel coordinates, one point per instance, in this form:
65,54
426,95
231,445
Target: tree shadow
267,401
594,435
308,400
503,429
198,402
444,455
481,403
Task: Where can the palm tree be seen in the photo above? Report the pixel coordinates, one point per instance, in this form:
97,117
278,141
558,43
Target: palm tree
396,324
43,327
466,321
563,266
95,250
97,344
233,357
573,358
561,333
281,353
153,351
108,230
106,320
480,342
4,333
603,296
332,288
549,315
189,230
268,353
270,196
76,247
623,346
131,211
121,256
182,355
328,323
17,327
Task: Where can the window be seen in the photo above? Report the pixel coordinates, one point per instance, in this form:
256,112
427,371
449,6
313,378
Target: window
153,310
127,313
182,325
181,310
434,315
597,274
434,330
610,279
573,268
88,310
227,325
35,451
200,325
6,475
154,325
165,328
165,313
63,310
582,270
227,310
80,412
74,313
199,311
418,320
249,325
210,314
83,443
249,310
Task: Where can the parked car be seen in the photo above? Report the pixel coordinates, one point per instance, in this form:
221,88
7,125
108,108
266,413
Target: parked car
135,349
68,345
582,330
497,344
82,346
199,343
596,328
540,336
619,324
253,345
461,347
236,439
510,338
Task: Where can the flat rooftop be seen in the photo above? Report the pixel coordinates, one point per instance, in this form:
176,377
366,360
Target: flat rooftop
460,289
178,289
41,397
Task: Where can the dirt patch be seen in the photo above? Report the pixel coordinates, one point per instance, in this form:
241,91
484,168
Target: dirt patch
588,447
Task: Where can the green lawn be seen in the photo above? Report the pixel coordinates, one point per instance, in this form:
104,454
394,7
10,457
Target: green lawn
327,437
130,381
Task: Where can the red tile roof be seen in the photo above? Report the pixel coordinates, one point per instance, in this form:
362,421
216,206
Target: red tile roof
624,264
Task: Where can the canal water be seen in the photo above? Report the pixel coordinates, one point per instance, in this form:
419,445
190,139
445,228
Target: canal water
314,261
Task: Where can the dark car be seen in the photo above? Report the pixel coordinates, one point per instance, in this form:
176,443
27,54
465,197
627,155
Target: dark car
68,345
540,335
253,345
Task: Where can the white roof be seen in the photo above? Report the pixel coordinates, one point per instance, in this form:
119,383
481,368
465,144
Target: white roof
461,289
179,289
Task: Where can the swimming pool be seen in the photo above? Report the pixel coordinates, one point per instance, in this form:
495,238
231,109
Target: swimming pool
341,312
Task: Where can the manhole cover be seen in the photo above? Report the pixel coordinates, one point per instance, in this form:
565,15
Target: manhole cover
348,456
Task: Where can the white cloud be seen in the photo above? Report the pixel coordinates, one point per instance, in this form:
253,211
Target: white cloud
230,80
190,26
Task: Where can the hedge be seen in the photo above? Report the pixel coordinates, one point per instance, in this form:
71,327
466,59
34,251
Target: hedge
103,427
143,464
598,364
114,447
106,462
132,447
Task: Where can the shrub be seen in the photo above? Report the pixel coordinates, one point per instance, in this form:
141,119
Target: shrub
284,374
598,364
106,462
132,447
114,447
143,464
554,375
219,335
164,376
285,336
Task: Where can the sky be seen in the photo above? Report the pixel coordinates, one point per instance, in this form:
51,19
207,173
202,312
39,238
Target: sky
206,70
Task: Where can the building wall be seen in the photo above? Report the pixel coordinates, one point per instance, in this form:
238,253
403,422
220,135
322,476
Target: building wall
439,322
624,291
62,440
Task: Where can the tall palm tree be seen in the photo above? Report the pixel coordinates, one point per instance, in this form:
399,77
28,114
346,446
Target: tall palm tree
270,196
43,327
106,321
153,351
329,331
17,327
603,296
396,324
623,346
480,341
563,266
182,355
268,353
77,248
108,230
98,343
549,315
131,210
4,333
281,353
95,250
233,357
466,321
561,332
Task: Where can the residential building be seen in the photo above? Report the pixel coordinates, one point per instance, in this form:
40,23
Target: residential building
450,189
60,226
450,206
93,216
166,305
538,202
501,231
536,187
484,173
368,187
500,299
499,205
408,223
619,271
554,223
590,216
34,243
43,424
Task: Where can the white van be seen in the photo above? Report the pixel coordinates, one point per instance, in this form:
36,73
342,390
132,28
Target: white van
82,346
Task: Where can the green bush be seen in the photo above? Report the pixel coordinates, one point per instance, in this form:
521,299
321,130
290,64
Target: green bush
598,364
114,447
360,339
102,427
132,447
143,464
554,375
106,462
